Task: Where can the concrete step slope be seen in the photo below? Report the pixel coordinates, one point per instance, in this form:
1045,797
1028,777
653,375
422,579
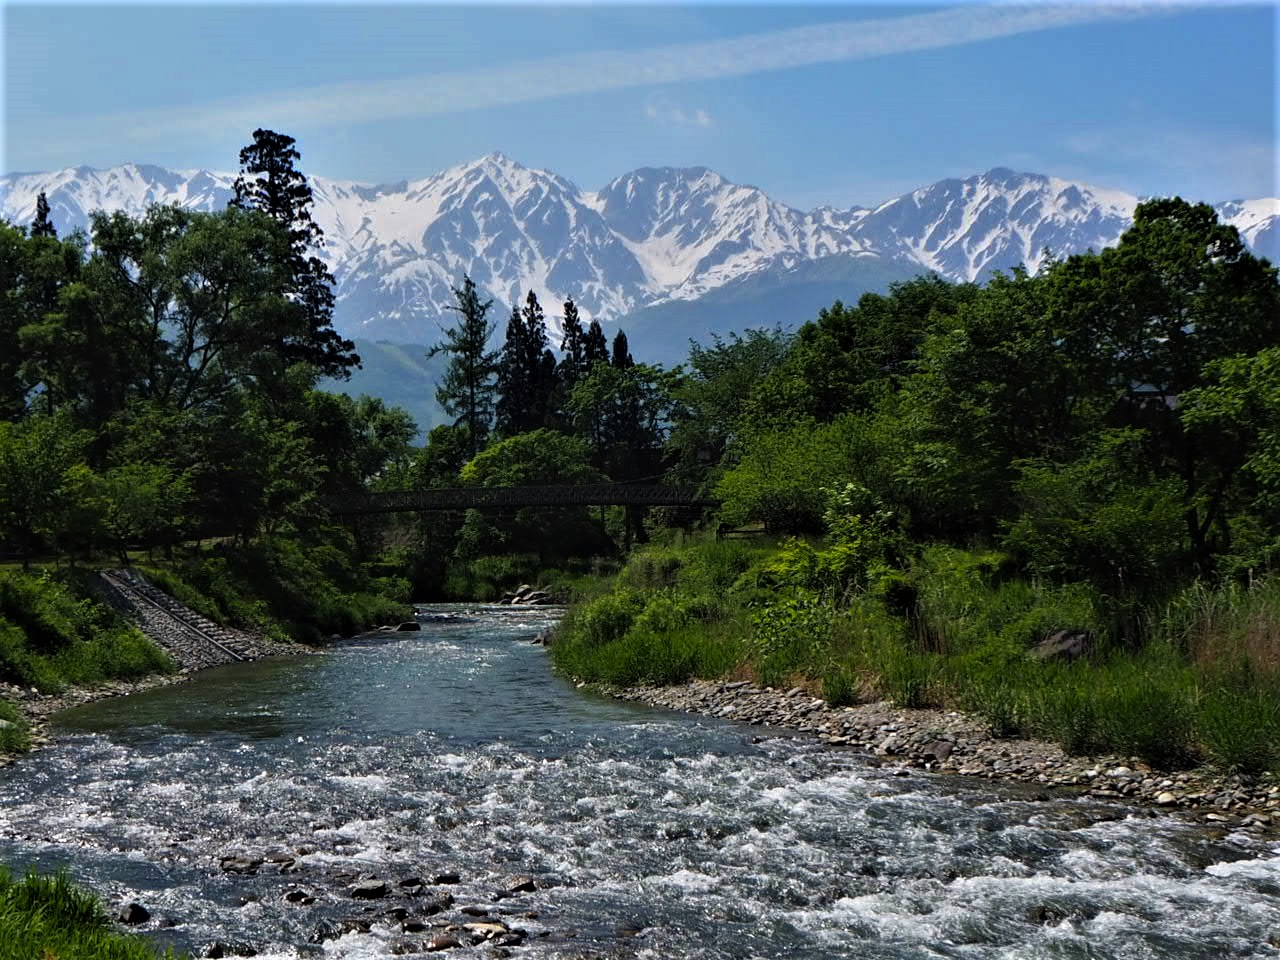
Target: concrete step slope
193,640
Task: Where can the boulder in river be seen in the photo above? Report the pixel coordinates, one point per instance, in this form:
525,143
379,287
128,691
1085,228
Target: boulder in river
521,884
240,864
133,913
409,626
369,890
442,941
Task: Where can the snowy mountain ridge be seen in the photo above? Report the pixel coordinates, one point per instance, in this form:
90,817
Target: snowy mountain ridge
651,237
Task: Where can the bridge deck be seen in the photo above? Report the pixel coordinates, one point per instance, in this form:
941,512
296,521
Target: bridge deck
463,498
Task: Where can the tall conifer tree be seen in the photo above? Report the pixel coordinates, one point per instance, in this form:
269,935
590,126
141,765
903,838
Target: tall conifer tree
42,226
621,352
595,346
527,378
466,392
270,182
573,348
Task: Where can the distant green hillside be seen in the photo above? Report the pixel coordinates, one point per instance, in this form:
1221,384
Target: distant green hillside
779,297
401,375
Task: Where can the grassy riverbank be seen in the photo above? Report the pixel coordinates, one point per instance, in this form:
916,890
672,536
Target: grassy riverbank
48,918
286,588
55,633
1191,679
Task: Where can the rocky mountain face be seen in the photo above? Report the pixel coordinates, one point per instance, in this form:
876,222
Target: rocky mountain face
667,243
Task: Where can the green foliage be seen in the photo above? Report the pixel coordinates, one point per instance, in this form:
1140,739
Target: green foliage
467,390
529,459
287,587
43,479
13,729
1104,518
142,503
52,634
1238,721
782,473
789,636
46,917
712,400
963,599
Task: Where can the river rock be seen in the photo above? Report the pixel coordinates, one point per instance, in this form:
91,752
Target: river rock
217,950
132,913
486,930
409,626
246,865
442,879
369,890
442,941
436,905
521,884
1165,799
939,750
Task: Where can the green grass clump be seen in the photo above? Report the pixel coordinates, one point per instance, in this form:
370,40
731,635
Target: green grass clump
669,616
1238,720
13,729
49,918
53,632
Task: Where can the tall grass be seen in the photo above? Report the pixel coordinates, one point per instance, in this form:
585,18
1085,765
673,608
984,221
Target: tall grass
13,729
53,632
1200,684
48,918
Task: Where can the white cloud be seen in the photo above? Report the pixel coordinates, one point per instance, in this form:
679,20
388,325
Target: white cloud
670,114
583,73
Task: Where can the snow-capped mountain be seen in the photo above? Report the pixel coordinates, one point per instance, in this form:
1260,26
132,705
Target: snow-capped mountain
651,240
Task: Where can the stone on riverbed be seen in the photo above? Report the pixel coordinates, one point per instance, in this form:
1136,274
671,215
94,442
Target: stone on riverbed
132,913
245,865
369,890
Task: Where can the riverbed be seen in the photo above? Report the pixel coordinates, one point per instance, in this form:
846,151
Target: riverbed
586,826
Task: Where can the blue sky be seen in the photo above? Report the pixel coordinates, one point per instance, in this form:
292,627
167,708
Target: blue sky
834,103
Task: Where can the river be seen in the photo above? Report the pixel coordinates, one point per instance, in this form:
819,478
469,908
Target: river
647,834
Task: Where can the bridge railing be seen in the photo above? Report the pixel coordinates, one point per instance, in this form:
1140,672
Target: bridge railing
563,495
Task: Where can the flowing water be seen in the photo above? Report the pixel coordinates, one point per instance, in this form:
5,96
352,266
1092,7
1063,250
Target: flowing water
648,834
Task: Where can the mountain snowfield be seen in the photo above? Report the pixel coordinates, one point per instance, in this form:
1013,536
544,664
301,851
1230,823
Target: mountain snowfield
650,240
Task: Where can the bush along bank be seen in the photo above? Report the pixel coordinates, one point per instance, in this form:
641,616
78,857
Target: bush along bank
45,917
943,629
288,588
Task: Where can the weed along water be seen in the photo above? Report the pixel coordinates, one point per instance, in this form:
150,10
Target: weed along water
443,790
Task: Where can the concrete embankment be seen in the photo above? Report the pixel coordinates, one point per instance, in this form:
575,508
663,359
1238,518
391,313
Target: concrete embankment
948,742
